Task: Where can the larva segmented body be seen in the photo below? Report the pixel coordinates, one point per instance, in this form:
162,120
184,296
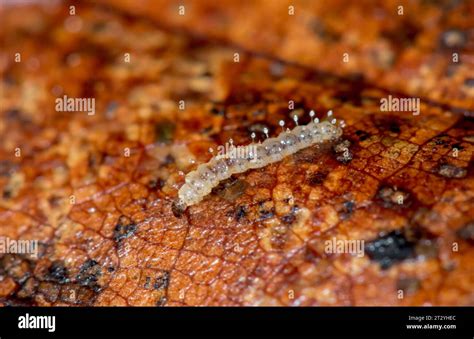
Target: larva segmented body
201,181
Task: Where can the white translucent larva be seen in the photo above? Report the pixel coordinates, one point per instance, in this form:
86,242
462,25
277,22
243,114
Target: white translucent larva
201,181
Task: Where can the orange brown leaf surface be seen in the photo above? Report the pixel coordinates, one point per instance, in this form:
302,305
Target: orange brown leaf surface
97,190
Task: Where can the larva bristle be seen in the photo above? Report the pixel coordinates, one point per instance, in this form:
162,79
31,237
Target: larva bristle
200,182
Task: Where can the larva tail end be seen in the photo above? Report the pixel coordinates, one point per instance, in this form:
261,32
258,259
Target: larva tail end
178,207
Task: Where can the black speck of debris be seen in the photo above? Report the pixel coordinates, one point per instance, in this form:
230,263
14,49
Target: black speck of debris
156,183
240,212
362,135
348,208
6,194
317,178
124,229
89,274
147,283
288,218
265,214
440,141
58,272
162,282
218,111
390,249
169,159
467,232
394,127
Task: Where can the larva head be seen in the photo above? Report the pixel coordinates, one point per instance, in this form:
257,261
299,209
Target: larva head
178,207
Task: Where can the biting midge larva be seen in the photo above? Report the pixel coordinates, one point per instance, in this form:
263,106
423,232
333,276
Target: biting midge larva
200,182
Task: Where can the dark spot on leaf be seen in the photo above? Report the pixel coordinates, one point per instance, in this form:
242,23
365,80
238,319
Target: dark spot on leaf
147,283
58,272
89,274
169,159
218,111
404,35
352,97
317,178
362,135
240,212
467,232
156,183
390,249
288,218
125,228
265,214
162,282
441,140
348,208
6,194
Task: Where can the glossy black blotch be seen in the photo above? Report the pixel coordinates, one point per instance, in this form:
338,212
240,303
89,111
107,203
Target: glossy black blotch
390,249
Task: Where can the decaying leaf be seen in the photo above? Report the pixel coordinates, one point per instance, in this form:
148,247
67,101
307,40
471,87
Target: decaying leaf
96,190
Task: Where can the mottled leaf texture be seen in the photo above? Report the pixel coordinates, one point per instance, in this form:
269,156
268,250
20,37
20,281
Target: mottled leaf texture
97,190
